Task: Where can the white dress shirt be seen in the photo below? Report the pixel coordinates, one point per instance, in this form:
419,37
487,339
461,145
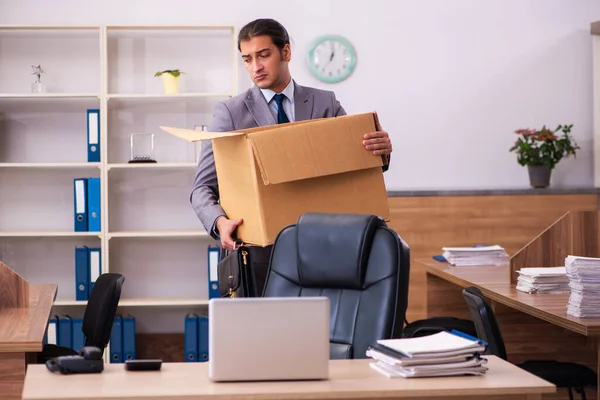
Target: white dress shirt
288,101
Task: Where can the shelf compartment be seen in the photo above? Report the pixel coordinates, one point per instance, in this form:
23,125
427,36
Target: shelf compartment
144,199
161,270
205,55
47,234
157,234
44,260
139,302
147,115
40,200
151,165
50,165
69,57
44,130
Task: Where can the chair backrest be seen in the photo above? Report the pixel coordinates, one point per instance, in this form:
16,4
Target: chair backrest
355,260
101,309
485,321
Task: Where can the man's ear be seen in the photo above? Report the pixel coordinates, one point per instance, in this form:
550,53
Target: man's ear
287,52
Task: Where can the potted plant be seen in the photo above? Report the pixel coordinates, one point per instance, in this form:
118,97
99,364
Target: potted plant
541,150
170,79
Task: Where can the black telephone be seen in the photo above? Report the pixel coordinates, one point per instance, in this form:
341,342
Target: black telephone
88,361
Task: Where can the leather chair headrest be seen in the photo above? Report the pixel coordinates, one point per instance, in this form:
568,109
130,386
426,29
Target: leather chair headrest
333,249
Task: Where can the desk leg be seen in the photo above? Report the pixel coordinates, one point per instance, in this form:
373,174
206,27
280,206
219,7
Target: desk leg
12,375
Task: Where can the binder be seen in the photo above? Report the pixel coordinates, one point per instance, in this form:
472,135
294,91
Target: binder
80,204
95,262
202,339
93,204
116,341
128,338
78,336
190,337
52,331
93,135
65,331
214,256
82,273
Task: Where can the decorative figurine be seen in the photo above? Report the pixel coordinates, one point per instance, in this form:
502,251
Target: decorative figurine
142,148
38,86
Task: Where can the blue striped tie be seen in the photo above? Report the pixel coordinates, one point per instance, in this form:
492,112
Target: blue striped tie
281,116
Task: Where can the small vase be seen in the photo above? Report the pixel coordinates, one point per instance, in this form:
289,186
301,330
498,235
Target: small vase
539,176
170,83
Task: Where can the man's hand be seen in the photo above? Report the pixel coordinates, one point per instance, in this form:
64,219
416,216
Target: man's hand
226,227
378,142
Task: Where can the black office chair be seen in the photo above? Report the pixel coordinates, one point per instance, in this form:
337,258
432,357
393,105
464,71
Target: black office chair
562,374
356,261
98,317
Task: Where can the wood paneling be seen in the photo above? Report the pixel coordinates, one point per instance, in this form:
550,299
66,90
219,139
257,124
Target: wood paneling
575,233
12,375
14,290
22,329
168,347
427,223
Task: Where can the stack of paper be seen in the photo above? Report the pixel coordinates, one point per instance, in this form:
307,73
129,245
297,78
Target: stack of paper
543,280
440,354
476,256
584,281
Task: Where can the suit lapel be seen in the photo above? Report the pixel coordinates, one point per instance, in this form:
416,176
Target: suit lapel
258,107
303,103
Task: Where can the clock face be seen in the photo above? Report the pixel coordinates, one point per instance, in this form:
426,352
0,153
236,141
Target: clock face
331,58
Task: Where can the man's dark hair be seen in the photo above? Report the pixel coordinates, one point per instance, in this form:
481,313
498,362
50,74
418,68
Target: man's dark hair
265,27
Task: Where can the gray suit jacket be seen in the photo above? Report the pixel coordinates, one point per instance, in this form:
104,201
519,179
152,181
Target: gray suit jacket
249,110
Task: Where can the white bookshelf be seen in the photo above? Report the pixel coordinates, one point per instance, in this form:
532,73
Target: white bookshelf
150,232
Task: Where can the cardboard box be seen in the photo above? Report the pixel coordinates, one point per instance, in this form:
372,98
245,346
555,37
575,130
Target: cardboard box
270,175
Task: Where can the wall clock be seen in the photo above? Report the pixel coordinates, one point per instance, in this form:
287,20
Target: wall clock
331,58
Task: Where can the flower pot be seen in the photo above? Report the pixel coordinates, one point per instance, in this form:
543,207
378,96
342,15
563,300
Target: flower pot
539,176
170,83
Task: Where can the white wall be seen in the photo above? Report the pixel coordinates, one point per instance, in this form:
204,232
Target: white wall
451,80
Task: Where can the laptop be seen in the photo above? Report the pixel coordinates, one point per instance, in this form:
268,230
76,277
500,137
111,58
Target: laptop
268,338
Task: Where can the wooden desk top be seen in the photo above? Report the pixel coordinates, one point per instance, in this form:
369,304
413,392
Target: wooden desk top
22,329
349,379
495,284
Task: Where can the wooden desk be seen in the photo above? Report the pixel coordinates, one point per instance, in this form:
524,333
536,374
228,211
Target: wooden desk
551,334
22,331
349,379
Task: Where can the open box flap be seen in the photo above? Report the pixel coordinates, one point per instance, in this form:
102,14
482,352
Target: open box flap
323,147
192,135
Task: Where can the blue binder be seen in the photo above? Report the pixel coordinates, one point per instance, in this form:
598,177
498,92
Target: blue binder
93,135
95,263
190,337
80,204
78,336
116,341
93,204
214,256
128,338
65,331
82,273
202,339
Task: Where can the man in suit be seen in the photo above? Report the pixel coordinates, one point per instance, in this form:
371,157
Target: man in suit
275,98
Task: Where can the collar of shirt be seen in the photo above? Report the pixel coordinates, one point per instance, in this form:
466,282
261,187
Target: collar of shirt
288,92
